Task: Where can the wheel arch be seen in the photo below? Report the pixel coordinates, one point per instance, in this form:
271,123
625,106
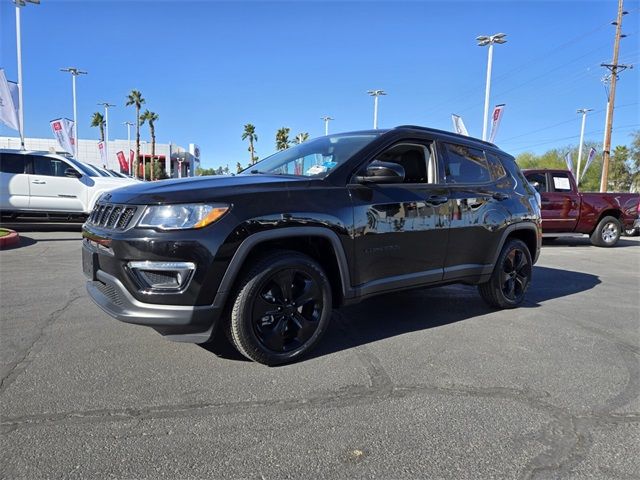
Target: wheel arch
527,232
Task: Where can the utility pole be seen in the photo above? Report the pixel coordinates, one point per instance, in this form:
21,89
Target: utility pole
615,68
106,128
583,111
326,119
74,73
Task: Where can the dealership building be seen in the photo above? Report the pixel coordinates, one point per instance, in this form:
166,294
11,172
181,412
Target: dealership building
175,160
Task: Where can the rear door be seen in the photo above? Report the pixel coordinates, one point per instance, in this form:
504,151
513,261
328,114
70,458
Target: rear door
51,189
561,204
479,212
14,182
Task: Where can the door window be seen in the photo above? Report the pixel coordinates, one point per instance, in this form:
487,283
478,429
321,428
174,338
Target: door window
12,163
561,182
50,167
466,165
540,179
417,160
496,167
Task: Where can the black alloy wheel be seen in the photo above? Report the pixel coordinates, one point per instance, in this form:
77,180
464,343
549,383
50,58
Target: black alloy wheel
511,277
287,310
281,309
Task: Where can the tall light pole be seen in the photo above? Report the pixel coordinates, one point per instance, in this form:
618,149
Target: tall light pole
326,119
485,40
106,128
20,4
375,94
74,73
583,111
129,125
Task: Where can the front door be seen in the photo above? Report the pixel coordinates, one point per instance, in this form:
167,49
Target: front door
52,190
401,229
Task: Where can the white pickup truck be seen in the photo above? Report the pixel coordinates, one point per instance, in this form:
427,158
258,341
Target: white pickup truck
44,183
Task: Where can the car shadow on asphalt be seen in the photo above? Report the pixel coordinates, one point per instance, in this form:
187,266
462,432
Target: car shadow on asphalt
583,242
399,313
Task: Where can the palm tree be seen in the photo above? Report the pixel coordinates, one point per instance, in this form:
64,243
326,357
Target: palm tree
282,138
151,118
302,137
238,167
135,98
98,121
250,134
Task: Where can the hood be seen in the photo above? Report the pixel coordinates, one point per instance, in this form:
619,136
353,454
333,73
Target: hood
201,189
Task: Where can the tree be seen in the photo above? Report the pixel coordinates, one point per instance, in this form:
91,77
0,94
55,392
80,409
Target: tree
282,138
302,137
151,118
98,121
239,167
205,171
135,98
250,134
620,175
634,161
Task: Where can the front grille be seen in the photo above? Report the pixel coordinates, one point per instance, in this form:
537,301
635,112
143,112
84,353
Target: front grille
112,216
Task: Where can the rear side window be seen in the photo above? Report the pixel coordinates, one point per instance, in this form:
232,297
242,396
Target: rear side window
540,179
50,167
466,165
496,167
12,163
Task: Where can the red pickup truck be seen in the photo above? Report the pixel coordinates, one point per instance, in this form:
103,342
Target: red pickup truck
567,212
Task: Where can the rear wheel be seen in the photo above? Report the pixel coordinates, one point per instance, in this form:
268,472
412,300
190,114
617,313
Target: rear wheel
510,278
631,232
282,308
607,233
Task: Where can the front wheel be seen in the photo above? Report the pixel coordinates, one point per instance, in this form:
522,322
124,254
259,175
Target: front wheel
510,278
607,233
282,308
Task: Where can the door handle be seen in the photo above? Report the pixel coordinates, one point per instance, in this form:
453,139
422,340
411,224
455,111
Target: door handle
500,196
437,199
39,182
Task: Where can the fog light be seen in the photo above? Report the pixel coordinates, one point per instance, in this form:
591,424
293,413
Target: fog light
162,277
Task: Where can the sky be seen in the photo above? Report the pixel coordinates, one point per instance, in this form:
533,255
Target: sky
207,68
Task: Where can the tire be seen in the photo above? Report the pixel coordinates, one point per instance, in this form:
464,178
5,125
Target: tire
607,233
511,276
631,232
281,309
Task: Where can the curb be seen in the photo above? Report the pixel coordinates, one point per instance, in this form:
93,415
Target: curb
9,240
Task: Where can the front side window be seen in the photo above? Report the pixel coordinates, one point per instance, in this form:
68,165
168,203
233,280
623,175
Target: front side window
466,165
50,167
417,160
11,163
313,158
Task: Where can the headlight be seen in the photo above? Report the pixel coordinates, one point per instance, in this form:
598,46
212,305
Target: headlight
180,217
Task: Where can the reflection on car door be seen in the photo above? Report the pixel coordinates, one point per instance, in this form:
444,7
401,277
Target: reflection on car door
401,229
14,182
51,190
561,205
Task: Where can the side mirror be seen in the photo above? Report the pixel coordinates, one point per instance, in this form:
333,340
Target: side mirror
72,172
382,172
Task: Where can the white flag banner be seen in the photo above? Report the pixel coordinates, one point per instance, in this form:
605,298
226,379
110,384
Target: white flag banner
592,155
71,133
569,161
61,130
8,102
458,125
103,153
495,121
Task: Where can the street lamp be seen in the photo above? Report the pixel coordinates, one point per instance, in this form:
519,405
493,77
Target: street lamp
483,41
129,125
20,4
583,111
74,73
375,94
326,119
106,128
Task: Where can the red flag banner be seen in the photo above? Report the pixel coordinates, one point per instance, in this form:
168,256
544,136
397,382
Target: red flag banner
122,160
495,121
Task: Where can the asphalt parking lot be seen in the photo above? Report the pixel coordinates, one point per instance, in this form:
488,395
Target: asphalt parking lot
421,384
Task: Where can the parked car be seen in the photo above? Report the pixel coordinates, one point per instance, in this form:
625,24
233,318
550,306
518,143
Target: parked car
44,183
265,255
568,212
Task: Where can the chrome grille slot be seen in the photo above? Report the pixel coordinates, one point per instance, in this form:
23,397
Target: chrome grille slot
111,216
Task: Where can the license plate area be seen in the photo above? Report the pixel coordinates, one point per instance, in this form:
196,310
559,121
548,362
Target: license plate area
89,263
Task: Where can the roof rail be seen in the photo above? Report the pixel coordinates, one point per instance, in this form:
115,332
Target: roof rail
445,132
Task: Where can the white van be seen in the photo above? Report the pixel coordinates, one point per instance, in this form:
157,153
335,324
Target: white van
42,182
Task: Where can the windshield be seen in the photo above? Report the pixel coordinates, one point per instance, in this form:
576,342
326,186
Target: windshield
314,158
82,167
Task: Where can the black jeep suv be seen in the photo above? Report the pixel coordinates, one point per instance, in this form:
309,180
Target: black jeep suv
266,254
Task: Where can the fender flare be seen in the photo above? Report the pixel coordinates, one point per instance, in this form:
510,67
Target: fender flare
245,248
509,230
